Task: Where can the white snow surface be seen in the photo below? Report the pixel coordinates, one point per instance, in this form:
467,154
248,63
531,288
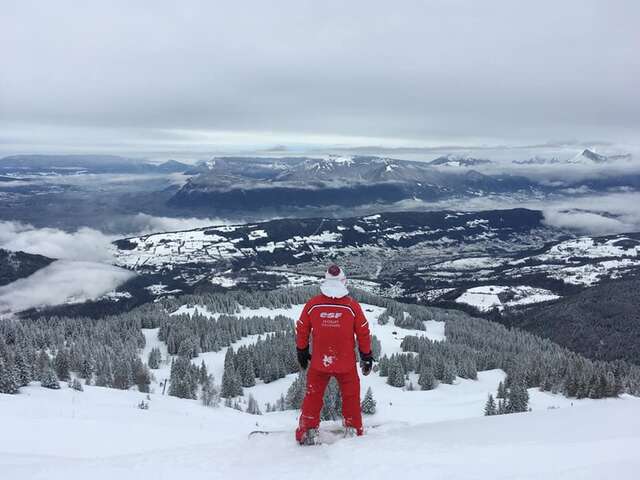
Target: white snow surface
485,298
101,434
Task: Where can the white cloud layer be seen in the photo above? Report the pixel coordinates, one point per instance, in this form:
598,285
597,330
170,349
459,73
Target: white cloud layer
143,223
83,271
61,282
596,214
83,244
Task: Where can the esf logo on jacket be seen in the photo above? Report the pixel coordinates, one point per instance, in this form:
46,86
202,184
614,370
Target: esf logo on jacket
330,314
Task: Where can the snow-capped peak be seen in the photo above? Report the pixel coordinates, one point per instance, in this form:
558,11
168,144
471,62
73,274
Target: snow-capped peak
588,157
341,159
452,160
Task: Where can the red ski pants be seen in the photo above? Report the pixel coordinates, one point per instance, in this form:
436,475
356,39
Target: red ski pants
317,381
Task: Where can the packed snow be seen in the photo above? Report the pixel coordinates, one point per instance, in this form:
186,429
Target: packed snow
101,434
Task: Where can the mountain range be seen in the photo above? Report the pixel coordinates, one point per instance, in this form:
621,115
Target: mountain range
74,164
586,157
230,184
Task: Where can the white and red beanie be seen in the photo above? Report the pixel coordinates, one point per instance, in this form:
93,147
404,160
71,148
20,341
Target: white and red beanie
335,283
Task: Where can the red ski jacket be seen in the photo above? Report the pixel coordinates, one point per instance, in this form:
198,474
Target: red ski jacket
334,322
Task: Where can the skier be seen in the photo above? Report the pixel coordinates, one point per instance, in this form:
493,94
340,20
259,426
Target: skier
333,319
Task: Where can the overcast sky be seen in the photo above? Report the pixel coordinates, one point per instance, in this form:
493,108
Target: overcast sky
191,75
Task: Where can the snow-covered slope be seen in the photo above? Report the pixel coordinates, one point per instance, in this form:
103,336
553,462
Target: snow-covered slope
100,434
458,161
390,337
488,297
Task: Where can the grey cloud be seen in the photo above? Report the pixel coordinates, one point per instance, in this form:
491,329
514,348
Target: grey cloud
414,72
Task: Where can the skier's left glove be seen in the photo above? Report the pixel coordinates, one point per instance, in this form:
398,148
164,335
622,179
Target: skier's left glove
366,363
303,357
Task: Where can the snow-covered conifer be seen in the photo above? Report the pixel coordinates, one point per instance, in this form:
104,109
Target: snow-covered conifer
490,407
8,378
210,395
427,379
76,384
155,357
252,406
368,405
49,379
61,364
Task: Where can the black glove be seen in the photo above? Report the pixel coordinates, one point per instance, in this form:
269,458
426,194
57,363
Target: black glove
366,363
303,357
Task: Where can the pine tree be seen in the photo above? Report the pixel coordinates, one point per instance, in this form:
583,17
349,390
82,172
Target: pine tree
61,364
122,376
210,396
43,363
141,375
77,385
295,393
8,378
368,405
396,373
231,386
245,368
24,369
189,348
490,407
502,391
376,347
517,398
87,367
502,407
155,357
383,365
184,381
49,379
427,379
448,373
203,373
252,406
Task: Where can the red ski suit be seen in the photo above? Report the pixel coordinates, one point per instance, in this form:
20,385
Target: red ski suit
333,324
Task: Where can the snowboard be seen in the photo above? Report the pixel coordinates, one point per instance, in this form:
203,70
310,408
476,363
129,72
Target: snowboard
326,435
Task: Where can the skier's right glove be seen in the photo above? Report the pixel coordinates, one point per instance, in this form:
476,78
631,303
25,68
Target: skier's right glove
366,363
303,357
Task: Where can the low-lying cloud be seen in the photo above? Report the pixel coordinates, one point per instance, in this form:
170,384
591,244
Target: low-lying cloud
88,244
83,244
143,223
62,282
83,270
596,214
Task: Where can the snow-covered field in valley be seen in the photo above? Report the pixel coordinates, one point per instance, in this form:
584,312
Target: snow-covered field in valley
101,433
